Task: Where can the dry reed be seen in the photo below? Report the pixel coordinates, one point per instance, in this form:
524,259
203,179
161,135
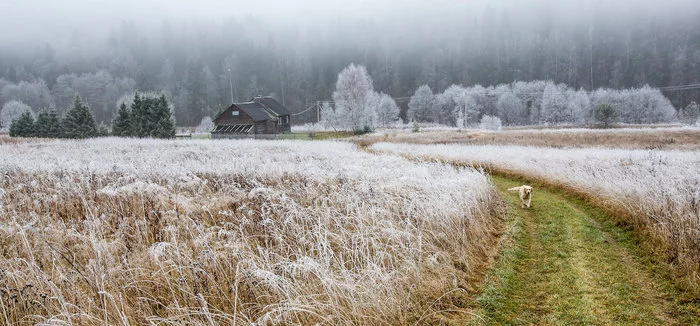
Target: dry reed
130,232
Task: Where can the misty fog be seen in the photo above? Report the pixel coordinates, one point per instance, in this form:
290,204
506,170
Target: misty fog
294,50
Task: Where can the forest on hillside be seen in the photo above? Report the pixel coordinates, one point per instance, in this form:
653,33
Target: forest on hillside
201,64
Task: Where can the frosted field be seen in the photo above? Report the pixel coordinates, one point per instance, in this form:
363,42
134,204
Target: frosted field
113,231
658,191
672,138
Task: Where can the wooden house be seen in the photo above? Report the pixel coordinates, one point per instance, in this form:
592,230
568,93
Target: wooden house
261,116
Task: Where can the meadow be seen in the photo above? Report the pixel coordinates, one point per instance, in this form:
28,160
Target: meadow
200,232
662,137
656,192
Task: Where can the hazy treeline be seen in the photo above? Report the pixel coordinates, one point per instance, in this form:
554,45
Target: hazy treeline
539,102
583,44
357,106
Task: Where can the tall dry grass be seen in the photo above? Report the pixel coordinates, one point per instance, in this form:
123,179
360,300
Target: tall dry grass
131,232
657,192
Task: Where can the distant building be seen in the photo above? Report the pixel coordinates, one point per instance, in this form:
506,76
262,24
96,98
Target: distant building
262,117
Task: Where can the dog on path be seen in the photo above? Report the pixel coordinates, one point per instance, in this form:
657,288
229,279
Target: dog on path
525,195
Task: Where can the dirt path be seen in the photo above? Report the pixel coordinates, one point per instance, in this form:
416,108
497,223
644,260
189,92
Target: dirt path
563,264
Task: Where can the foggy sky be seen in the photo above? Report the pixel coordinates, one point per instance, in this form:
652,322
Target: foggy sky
295,49
37,21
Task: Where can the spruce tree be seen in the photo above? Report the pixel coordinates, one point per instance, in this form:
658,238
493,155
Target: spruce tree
148,117
23,126
606,114
48,125
79,122
149,123
54,127
41,123
164,126
122,124
139,116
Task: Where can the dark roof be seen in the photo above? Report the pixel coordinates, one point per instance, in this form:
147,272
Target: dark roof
271,104
260,108
254,110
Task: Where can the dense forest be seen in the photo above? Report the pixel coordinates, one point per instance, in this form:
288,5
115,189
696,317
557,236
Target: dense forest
200,64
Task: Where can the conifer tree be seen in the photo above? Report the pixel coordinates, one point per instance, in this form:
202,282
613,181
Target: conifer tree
23,126
149,117
102,130
605,114
139,116
48,125
122,124
163,124
79,122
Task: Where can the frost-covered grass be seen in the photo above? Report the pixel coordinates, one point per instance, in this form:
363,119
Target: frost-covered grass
685,138
396,126
116,231
658,192
312,127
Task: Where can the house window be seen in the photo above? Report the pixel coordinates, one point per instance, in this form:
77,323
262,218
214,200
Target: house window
235,112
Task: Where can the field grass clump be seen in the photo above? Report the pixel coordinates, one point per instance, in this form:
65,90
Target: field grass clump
128,232
654,191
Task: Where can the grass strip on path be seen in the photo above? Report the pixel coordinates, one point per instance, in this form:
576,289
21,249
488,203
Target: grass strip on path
563,264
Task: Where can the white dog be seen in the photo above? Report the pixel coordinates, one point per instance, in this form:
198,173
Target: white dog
525,195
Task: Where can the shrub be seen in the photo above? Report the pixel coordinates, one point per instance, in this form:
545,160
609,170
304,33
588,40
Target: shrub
490,123
363,131
605,114
416,127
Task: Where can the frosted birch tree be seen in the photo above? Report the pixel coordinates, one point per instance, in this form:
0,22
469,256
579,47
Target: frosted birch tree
510,108
420,108
206,125
351,97
464,107
554,105
691,113
387,110
579,106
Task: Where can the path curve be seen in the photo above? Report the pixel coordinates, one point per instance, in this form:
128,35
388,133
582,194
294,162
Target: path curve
564,262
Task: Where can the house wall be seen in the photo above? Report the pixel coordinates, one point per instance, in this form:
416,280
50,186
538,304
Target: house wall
287,126
261,127
227,118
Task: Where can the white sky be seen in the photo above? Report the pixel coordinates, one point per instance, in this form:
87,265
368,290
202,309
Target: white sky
35,21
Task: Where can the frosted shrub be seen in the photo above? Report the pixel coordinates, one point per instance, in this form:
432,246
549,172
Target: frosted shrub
11,111
207,125
490,123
